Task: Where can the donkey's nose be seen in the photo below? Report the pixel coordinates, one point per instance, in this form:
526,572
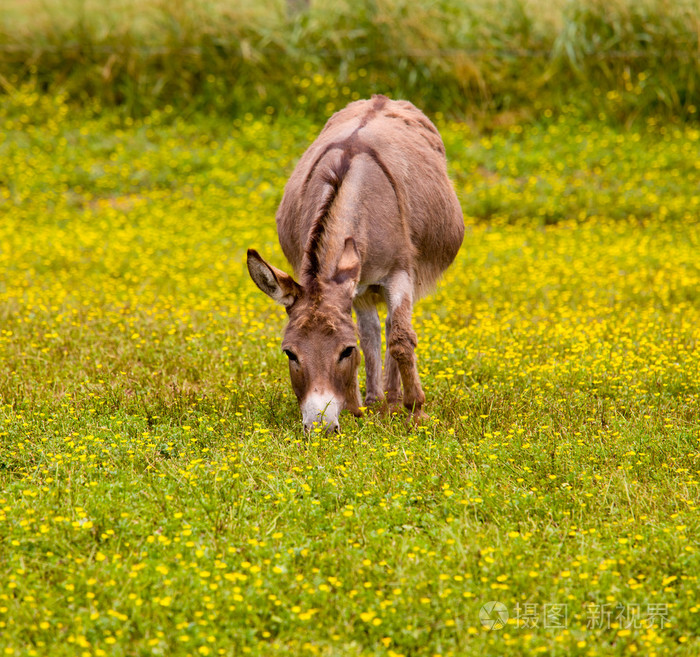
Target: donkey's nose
322,424
320,411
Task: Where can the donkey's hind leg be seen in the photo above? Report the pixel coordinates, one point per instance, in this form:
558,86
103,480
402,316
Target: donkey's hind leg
402,341
371,342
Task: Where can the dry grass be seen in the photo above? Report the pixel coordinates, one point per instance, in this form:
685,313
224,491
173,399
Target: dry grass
462,58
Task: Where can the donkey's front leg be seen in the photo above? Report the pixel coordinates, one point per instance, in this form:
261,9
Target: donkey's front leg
371,342
402,341
392,378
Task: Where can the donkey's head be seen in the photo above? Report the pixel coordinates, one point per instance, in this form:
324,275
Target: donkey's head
320,339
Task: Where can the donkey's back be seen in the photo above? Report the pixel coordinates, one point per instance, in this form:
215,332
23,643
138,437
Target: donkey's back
398,200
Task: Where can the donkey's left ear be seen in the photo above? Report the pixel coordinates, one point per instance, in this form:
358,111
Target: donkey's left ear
347,271
272,281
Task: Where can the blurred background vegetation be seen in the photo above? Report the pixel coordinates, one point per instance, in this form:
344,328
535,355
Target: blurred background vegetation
503,59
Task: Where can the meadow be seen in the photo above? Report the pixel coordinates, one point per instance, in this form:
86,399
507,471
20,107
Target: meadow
157,495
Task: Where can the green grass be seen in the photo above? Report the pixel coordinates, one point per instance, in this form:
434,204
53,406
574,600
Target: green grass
625,59
157,495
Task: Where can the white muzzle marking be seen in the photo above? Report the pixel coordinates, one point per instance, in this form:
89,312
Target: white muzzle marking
321,409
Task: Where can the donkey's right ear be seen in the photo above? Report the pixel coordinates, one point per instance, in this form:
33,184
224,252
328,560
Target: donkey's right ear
272,281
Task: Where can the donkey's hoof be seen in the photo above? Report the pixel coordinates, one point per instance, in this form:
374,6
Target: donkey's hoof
418,416
391,406
372,398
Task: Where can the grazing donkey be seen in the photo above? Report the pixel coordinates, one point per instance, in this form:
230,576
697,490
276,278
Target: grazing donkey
369,215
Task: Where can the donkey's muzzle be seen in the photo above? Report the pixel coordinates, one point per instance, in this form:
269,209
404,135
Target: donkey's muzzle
320,411
322,425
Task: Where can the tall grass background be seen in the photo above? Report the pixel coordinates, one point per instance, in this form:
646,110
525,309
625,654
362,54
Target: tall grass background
623,58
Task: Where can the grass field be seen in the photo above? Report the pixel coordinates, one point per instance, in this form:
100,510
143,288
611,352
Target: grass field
157,496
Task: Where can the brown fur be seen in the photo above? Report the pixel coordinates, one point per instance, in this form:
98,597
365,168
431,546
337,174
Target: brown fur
368,215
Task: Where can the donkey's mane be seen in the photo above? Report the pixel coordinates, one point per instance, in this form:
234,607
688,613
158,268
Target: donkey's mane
332,179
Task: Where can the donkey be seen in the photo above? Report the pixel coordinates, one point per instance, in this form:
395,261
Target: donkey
369,215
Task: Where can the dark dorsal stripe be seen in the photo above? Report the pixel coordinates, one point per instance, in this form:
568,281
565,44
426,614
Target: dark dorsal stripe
378,103
333,178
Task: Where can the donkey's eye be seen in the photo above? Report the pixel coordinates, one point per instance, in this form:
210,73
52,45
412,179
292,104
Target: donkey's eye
345,353
291,355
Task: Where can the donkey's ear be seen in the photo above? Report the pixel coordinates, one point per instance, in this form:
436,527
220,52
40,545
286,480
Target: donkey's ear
272,281
347,271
